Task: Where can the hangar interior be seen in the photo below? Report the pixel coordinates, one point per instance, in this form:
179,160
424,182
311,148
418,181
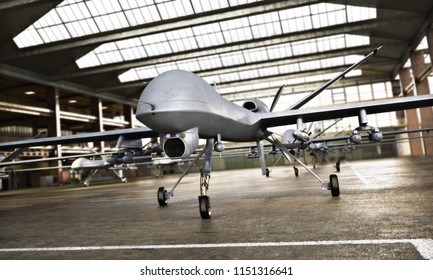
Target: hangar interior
76,66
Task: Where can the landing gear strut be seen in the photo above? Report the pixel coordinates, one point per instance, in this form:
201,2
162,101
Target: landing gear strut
204,202
333,184
203,199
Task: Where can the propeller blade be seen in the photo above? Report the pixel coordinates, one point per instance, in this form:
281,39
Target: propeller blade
277,96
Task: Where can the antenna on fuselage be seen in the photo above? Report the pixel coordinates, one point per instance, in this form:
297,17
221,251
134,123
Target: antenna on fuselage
276,98
340,76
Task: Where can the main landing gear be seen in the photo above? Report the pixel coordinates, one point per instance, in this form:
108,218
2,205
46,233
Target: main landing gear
204,201
333,184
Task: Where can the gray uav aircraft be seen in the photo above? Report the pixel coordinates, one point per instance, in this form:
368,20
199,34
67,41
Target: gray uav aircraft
182,108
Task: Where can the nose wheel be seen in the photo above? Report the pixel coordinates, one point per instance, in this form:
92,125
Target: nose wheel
162,199
204,205
335,187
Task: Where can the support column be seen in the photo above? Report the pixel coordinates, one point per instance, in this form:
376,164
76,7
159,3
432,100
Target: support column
54,127
128,114
96,110
420,69
429,35
411,115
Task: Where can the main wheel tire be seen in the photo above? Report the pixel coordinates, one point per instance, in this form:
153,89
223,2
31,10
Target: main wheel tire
296,172
161,197
204,205
335,187
267,172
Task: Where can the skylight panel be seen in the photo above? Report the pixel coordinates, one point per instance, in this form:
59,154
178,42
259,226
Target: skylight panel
265,25
149,72
138,74
133,53
181,40
128,76
355,13
90,61
111,21
236,30
326,14
209,62
240,2
285,69
166,67
268,71
208,5
55,33
104,15
172,9
423,45
150,14
241,29
135,16
278,51
245,75
92,16
78,28
296,19
110,57
235,58
208,35
156,44
51,18
264,86
29,38
189,65
239,58
254,55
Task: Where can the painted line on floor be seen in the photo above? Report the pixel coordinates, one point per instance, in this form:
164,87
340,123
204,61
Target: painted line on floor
423,246
360,176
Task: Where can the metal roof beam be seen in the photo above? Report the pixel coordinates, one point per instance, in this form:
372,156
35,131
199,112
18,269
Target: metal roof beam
9,4
162,26
268,63
256,43
414,42
26,75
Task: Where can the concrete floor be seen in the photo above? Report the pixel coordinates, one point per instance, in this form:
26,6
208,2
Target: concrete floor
385,211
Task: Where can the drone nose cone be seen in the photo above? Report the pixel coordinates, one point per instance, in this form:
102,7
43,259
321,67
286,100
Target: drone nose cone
172,88
176,101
